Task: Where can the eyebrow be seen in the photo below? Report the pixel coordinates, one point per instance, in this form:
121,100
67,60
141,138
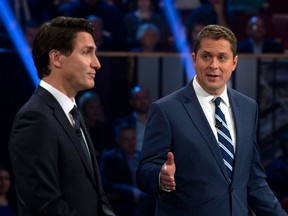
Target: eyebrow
90,47
207,52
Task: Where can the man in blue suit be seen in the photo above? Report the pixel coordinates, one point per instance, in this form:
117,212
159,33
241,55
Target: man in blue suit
181,159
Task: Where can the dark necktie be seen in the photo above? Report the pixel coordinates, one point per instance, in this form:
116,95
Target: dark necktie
224,137
77,119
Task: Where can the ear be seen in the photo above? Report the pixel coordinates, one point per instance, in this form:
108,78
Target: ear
235,60
194,57
55,60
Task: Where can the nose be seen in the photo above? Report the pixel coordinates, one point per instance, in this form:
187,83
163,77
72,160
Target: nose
214,64
95,63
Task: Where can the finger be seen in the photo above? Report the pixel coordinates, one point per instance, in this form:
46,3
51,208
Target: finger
170,158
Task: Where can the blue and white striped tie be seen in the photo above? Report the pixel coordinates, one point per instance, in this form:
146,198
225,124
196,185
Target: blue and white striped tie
224,137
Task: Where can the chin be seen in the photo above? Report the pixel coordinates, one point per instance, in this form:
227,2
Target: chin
90,84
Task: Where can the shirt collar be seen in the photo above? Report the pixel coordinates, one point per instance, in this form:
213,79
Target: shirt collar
65,102
206,97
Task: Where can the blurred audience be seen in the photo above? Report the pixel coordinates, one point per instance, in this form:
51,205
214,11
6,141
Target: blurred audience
112,18
30,30
277,172
140,101
148,37
257,41
192,32
118,167
144,13
125,6
50,9
103,39
6,204
247,6
22,10
100,130
209,12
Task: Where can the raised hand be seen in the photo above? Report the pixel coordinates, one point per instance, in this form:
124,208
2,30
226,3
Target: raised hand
167,173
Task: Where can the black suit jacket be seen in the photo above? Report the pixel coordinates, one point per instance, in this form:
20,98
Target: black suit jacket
52,174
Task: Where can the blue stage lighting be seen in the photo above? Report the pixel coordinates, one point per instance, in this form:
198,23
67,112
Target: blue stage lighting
18,39
178,32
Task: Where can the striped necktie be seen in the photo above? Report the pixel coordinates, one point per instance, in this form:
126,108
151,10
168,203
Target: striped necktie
224,137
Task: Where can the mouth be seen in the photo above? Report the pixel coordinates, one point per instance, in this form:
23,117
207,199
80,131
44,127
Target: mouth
92,74
213,75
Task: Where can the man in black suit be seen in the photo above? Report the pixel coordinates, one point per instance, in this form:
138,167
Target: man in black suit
257,41
53,175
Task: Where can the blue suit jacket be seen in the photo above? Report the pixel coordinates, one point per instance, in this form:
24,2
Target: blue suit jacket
177,123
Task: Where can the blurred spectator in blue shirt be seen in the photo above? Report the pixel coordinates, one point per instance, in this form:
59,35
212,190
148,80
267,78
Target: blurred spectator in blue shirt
257,41
118,167
277,172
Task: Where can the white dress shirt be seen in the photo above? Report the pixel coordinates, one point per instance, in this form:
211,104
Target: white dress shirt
208,106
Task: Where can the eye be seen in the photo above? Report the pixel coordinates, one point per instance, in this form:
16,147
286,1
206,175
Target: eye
222,58
86,52
205,56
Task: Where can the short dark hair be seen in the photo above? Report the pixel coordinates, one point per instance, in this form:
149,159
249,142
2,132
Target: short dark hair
87,97
216,32
136,89
57,34
123,126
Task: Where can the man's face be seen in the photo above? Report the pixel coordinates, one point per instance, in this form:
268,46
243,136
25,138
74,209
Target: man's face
5,182
127,141
79,69
94,111
256,29
214,64
98,30
150,39
141,101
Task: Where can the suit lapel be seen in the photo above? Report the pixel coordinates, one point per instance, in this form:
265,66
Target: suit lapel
239,123
200,122
68,128
91,149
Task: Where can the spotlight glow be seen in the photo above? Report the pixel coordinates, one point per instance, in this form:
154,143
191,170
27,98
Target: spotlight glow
178,32
18,39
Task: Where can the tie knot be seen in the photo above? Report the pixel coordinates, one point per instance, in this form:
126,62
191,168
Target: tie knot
217,101
76,116
74,111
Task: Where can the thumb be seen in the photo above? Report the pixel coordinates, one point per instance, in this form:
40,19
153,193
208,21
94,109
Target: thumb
170,158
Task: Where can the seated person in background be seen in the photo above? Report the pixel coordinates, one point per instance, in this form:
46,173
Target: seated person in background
209,12
257,41
100,130
118,167
277,172
30,30
144,13
192,32
148,38
102,38
140,101
6,206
